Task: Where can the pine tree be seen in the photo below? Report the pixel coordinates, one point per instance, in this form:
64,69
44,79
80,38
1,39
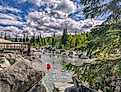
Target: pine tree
54,34
75,33
1,35
44,41
96,8
38,39
53,42
40,35
21,39
33,40
77,42
16,39
5,37
24,38
64,37
27,39
9,38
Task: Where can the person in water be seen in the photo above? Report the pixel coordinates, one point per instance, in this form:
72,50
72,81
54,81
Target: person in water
30,58
3,50
33,55
28,51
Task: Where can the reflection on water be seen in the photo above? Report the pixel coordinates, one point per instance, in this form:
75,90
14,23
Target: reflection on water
56,74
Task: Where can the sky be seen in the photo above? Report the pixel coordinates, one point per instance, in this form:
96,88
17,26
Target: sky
43,16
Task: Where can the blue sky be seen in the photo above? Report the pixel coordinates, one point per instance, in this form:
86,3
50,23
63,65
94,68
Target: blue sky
43,16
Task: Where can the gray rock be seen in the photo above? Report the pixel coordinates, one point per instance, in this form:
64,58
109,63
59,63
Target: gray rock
76,80
42,47
54,49
11,57
62,50
39,87
48,47
61,87
57,52
4,62
70,89
81,56
64,53
72,53
118,55
71,56
21,76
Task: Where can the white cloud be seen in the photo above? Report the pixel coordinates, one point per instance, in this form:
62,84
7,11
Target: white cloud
66,6
47,23
10,19
8,16
10,22
11,30
39,22
40,2
9,8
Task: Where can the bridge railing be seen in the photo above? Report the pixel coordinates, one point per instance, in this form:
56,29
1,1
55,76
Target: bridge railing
15,45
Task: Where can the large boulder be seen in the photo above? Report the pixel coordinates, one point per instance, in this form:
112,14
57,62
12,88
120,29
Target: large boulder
82,56
54,49
4,62
61,87
62,50
39,87
48,47
21,76
57,52
64,53
72,53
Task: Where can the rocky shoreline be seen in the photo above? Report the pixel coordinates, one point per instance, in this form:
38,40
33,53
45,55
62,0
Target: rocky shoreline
71,53
18,74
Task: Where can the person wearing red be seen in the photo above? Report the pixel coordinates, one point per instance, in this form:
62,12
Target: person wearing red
48,66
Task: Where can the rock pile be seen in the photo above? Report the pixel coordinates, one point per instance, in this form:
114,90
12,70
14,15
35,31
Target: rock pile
21,76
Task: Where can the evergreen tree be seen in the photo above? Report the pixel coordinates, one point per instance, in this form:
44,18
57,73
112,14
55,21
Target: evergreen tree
27,39
50,40
38,39
64,37
1,35
16,39
21,39
24,38
77,42
54,34
53,42
44,41
75,33
40,35
96,8
5,37
34,38
9,38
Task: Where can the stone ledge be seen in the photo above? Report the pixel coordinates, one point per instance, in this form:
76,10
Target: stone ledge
61,87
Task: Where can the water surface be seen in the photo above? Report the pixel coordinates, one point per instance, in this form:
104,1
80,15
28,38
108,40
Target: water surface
56,74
